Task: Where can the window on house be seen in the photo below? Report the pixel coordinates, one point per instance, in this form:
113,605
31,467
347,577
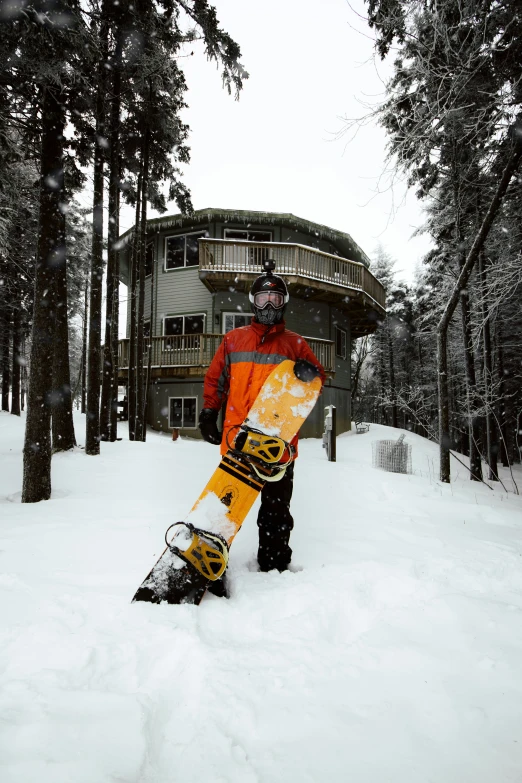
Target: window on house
234,320
183,325
250,236
341,341
250,256
182,250
183,412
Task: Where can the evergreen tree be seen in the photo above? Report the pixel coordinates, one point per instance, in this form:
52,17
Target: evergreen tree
453,93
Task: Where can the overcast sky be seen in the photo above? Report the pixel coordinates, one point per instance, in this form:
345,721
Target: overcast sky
276,149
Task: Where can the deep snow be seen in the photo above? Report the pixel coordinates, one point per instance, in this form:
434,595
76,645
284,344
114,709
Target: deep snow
392,653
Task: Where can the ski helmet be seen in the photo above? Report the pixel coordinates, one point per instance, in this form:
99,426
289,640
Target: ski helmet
269,296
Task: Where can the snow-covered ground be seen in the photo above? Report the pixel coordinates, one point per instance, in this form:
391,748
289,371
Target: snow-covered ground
392,653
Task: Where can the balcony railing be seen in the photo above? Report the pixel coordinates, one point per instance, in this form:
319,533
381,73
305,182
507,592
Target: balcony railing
197,350
194,350
238,256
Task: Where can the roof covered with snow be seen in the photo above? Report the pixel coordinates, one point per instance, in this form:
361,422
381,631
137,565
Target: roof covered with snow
347,246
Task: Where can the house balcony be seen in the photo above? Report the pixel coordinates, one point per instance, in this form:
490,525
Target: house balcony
187,356
309,273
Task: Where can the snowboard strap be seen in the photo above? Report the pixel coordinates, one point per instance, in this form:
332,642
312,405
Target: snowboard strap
207,552
276,474
267,448
263,453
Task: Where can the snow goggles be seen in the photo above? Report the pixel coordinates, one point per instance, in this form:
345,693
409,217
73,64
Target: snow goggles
264,298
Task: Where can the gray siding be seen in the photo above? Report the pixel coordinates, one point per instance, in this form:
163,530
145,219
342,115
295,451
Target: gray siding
311,319
147,304
229,302
342,377
176,291
159,394
180,292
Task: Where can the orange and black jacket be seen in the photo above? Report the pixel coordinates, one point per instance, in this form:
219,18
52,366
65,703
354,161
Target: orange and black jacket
242,363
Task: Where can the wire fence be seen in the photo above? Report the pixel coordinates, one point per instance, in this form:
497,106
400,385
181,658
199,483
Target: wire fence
392,455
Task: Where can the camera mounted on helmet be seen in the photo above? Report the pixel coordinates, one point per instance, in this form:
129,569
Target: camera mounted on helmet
269,296
269,265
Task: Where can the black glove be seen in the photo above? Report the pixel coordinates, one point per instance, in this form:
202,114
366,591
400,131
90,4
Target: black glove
208,426
305,370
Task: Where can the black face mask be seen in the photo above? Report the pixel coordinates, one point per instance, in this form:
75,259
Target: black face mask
269,315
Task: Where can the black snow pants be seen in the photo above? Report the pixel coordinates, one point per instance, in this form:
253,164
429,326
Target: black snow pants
275,523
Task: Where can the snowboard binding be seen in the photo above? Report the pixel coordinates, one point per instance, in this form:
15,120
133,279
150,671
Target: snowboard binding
263,453
207,552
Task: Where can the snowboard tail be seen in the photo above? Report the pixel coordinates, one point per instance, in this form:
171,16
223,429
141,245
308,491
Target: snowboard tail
260,453
173,579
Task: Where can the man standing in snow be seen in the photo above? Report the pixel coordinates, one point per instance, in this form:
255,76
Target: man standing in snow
242,363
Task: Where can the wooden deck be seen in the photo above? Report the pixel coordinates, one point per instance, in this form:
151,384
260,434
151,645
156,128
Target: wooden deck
309,273
187,356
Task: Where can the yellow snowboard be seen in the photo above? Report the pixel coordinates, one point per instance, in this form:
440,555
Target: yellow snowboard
259,450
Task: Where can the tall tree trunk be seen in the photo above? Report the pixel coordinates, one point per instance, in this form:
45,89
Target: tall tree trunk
381,371
92,439
140,347
107,366
149,352
418,427
358,367
475,461
391,369
133,303
37,444
112,285
472,401
62,419
442,328
504,449
491,429
84,344
114,232
17,362
23,377
5,341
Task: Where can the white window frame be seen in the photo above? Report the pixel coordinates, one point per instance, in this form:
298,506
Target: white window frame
203,233
247,232
183,427
234,313
184,315
342,331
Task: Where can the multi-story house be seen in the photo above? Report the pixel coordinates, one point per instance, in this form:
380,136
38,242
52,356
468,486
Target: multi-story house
199,272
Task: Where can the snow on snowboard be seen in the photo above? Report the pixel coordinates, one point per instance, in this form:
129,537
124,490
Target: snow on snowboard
197,552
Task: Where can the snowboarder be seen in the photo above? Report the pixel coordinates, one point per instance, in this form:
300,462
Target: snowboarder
242,363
